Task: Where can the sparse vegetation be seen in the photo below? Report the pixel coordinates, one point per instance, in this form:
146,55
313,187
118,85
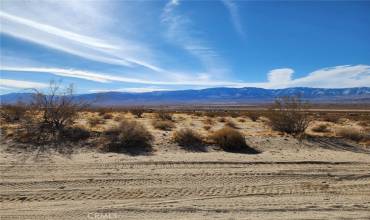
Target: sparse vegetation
138,112
352,133
129,136
13,113
254,116
165,116
288,115
189,140
231,124
95,120
230,139
164,125
321,128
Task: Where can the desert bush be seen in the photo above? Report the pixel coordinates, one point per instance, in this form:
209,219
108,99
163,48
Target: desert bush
107,116
138,112
50,114
254,116
94,121
320,128
206,127
165,125
288,115
230,139
209,121
242,120
13,113
75,134
351,133
231,124
129,136
189,140
222,119
328,117
164,116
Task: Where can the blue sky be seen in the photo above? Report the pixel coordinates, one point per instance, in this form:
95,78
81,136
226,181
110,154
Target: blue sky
139,46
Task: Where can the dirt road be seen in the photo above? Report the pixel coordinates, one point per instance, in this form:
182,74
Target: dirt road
154,188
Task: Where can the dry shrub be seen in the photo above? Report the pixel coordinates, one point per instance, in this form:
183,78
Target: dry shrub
232,140
209,121
328,117
138,112
254,116
288,115
75,134
321,128
13,113
165,116
354,134
118,118
189,140
50,115
107,116
242,120
95,120
206,127
128,137
231,124
164,125
222,119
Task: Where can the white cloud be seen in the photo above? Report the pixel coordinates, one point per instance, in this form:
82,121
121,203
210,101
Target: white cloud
332,77
234,15
21,84
39,23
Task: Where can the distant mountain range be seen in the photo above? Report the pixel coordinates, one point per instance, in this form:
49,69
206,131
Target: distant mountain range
246,95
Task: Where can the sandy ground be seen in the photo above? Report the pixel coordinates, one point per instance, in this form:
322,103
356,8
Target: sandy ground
312,180
320,178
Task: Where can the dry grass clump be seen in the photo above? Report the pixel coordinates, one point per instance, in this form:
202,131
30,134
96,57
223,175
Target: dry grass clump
128,137
352,133
137,112
254,116
94,121
164,125
231,124
242,120
232,140
321,128
107,116
75,134
207,127
165,116
12,113
209,121
288,115
222,119
329,117
189,140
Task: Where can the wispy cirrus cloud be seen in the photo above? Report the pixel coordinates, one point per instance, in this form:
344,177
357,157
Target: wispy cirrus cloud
41,27
233,10
6,84
180,29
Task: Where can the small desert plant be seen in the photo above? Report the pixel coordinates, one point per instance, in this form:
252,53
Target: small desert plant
75,134
288,115
328,117
138,112
230,139
206,127
231,124
107,116
94,121
164,116
164,125
321,128
189,139
242,120
222,119
209,121
354,134
254,116
128,136
13,113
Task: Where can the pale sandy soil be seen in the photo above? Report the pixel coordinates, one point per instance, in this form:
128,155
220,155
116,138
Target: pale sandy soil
316,179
